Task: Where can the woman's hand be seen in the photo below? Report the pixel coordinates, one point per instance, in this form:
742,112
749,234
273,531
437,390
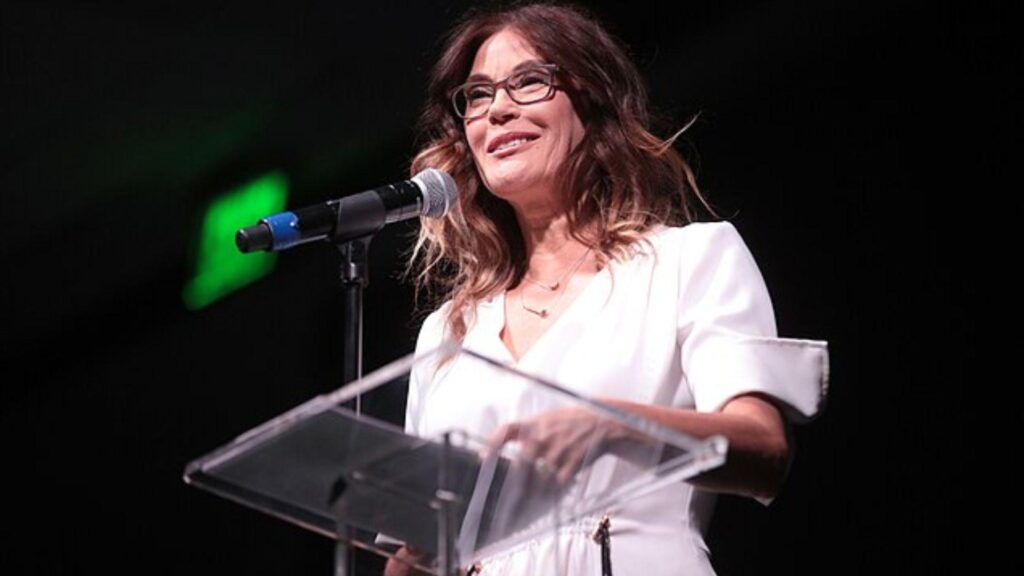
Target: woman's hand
402,564
559,442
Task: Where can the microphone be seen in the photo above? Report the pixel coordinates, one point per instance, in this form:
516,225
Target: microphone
429,193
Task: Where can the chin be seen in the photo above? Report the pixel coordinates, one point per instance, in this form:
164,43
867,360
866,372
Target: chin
510,183
510,190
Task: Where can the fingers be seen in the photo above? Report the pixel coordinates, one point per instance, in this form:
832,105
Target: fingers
557,444
559,459
567,470
500,437
533,446
566,460
403,562
544,470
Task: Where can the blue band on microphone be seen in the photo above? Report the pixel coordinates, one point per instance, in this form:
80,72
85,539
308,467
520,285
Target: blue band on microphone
284,228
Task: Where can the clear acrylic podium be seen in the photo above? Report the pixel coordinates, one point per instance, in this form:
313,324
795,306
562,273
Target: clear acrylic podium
465,490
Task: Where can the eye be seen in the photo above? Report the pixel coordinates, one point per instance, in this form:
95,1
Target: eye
530,78
478,92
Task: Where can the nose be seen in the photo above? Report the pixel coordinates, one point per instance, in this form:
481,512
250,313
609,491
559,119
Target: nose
502,108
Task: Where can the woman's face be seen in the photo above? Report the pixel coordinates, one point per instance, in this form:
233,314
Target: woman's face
519,149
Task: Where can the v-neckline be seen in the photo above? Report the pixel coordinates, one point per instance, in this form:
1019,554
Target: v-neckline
500,302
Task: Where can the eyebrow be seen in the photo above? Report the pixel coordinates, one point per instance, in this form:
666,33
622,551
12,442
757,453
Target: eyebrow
521,66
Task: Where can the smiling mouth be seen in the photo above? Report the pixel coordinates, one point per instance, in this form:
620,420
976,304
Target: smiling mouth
509,144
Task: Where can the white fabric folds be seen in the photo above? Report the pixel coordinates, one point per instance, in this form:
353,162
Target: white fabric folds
685,322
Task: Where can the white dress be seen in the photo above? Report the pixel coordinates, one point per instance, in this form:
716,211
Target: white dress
686,322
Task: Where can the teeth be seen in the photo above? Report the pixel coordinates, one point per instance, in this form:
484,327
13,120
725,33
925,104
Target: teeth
510,144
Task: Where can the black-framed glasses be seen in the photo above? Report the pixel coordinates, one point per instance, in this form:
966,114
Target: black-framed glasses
473,99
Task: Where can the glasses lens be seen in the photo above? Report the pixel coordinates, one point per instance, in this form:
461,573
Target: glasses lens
473,99
530,86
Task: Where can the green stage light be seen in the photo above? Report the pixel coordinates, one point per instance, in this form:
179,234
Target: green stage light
220,267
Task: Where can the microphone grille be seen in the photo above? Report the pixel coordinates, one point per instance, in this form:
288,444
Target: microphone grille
439,191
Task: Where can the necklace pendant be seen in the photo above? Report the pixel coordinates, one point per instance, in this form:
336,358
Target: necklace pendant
542,312
549,287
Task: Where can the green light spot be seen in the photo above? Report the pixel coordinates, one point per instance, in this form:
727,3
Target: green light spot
220,267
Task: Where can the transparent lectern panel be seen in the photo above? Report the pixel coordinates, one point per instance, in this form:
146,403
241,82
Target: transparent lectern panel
494,458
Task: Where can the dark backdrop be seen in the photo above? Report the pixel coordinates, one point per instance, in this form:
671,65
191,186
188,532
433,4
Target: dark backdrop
845,142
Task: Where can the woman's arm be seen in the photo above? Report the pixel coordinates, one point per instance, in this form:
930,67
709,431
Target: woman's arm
759,448
561,441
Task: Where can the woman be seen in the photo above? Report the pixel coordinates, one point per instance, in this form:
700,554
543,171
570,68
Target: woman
572,255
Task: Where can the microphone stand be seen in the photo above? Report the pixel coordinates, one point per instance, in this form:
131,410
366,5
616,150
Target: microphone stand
353,282
354,278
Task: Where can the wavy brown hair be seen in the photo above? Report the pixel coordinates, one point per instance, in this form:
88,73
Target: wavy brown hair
618,183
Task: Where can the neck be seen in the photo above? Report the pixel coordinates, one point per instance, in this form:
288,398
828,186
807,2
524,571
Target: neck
550,248
545,236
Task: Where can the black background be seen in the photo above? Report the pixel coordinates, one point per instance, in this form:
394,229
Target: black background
852,147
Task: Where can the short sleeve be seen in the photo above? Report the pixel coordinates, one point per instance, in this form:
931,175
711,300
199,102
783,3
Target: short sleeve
727,331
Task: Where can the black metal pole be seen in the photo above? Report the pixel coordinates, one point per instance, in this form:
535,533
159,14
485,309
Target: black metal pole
353,281
354,278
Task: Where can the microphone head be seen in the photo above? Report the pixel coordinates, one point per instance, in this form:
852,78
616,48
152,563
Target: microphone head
439,191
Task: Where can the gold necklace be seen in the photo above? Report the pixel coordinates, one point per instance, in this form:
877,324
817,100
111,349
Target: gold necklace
545,312
551,287
548,287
